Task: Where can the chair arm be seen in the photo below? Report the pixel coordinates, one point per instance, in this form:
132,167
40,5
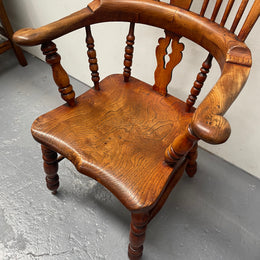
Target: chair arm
208,122
31,37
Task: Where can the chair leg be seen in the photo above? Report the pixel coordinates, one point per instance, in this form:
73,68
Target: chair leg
138,226
9,34
50,165
191,167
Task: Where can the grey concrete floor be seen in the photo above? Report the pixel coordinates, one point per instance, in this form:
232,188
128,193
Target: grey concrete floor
214,216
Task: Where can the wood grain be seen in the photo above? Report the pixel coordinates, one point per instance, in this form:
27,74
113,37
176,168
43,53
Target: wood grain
163,71
60,76
121,144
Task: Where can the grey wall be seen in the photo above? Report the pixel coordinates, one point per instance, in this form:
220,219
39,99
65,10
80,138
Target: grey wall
241,149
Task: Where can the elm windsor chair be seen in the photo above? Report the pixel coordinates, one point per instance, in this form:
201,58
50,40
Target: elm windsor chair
134,138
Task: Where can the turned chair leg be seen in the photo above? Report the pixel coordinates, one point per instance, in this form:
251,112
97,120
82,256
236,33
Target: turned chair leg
139,222
50,165
191,167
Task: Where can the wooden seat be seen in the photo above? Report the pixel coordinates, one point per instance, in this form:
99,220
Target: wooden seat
135,138
125,128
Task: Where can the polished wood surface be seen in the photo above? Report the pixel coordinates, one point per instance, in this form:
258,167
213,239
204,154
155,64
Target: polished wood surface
50,165
60,76
118,135
199,82
129,49
92,59
163,72
134,138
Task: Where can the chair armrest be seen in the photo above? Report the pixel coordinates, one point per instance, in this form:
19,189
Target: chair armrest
31,37
208,122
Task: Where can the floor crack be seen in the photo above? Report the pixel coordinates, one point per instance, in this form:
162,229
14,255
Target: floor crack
48,254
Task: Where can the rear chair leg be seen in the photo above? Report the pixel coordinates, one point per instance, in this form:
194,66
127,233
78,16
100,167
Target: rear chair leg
139,223
50,165
191,167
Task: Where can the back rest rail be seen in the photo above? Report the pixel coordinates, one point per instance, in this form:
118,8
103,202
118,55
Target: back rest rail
148,12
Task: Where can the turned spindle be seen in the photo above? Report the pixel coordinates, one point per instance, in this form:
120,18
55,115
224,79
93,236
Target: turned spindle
92,59
50,165
129,49
181,145
163,71
60,76
198,84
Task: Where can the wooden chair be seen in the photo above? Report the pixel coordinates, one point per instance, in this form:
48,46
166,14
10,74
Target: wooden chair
7,31
134,138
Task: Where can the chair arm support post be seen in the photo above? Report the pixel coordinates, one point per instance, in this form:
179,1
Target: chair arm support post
181,145
208,122
60,76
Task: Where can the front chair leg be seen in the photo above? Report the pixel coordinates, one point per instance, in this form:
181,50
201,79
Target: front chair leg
139,222
50,165
191,167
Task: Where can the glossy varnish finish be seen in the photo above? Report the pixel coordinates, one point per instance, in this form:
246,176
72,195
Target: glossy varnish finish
93,66
124,140
198,84
163,72
60,76
50,165
129,49
134,138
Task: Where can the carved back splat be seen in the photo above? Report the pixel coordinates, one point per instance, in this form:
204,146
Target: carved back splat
163,71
